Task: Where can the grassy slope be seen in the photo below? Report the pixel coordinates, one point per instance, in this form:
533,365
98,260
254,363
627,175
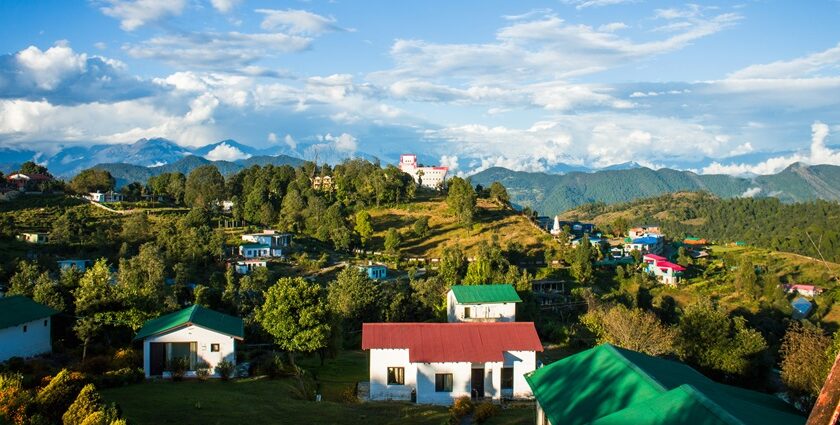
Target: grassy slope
257,400
444,230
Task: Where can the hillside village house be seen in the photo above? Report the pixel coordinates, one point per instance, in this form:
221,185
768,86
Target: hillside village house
23,181
651,244
247,266
80,265
431,177
275,241
482,303
435,363
109,196
610,385
34,237
806,290
196,333
374,271
665,271
25,327
638,232
255,250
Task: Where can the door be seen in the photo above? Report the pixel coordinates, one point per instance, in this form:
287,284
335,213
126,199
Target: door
157,358
477,381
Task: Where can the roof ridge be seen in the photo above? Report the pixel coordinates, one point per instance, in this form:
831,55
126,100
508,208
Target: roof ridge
629,363
710,404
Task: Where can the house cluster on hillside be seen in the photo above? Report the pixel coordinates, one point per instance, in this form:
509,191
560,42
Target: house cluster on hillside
482,352
27,182
645,239
665,271
259,247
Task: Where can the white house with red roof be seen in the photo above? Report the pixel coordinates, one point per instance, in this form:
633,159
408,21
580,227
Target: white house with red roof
664,271
805,290
431,177
435,363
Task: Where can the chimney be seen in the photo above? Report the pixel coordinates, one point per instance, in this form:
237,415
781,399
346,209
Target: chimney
827,409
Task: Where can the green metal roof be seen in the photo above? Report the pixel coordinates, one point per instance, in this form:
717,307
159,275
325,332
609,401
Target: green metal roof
17,309
482,294
195,315
609,385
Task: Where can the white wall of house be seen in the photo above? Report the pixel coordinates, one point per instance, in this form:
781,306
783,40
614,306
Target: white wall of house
203,338
14,342
248,252
491,312
421,376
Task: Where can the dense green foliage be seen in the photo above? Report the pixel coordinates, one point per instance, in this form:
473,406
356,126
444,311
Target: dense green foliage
92,181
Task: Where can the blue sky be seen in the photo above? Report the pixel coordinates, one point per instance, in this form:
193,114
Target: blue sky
714,86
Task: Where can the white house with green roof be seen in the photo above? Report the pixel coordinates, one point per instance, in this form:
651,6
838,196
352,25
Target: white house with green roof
196,333
608,385
482,303
25,327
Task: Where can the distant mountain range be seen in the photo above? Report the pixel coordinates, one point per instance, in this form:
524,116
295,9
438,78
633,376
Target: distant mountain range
153,153
552,193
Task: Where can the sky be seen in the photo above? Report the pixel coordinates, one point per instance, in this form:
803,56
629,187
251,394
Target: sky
713,87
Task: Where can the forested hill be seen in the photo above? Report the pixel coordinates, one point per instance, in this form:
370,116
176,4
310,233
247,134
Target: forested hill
552,193
763,222
127,173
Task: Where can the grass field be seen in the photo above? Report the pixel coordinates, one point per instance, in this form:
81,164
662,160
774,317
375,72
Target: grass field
490,219
261,400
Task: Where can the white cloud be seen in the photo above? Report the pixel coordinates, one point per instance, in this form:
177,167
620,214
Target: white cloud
101,45
742,149
298,22
272,138
224,6
613,27
795,68
135,13
751,192
583,4
226,152
47,68
450,161
818,153
342,143
290,141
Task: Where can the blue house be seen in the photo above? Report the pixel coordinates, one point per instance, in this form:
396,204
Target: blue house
801,307
375,271
80,265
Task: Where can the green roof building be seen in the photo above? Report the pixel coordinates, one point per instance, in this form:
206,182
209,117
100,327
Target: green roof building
610,385
196,334
25,327
482,303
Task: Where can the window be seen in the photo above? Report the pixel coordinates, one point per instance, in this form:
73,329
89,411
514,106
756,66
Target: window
24,328
396,376
443,382
214,348
466,312
46,322
507,378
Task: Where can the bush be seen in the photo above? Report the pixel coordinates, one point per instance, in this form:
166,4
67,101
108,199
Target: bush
96,365
59,394
462,406
269,364
127,358
121,377
485,411
202,370
14,399
225,369
178,367
348,394
303,387
87,402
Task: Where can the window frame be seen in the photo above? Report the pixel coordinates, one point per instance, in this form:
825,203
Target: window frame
504,378
467,312
215,347
398,373
441,381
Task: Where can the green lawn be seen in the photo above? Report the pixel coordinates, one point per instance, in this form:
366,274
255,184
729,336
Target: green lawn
260,400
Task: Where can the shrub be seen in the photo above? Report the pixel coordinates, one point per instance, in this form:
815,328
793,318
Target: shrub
87,402
59,394
127,358
269,364
462,406
14,399
348,394
96,365
225,369
202,370
484,411
178,367
121,377
303,387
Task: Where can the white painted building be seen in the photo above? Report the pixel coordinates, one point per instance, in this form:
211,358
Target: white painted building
197,334
482,303
276,242
34,237
431,177
255,250
25,328
663,270
109,196
435,363
247,266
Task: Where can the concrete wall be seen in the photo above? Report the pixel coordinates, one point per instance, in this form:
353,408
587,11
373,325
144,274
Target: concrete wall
499,312
203,337
14,342
380,361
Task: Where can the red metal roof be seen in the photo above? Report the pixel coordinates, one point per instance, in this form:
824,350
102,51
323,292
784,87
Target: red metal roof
654,257
452,342
668,265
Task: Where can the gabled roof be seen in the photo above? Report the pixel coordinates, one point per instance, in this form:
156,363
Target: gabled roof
647,240
195,315
611,385
452,342
484,294
654,257
17,309
670,265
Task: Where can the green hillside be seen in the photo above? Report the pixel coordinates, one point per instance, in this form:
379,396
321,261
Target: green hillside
552,193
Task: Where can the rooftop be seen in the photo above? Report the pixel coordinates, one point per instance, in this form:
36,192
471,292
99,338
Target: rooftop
483,294
611,385
195,315
452,342
17,309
